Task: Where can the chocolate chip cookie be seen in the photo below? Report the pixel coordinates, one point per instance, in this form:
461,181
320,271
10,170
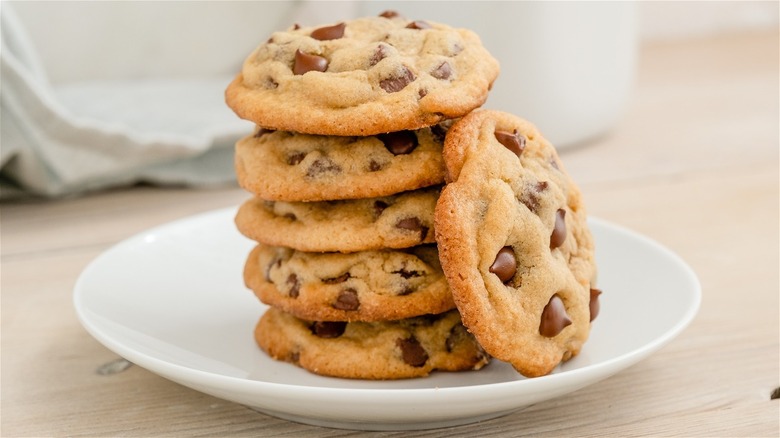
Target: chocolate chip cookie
289,166
371,350
514,243
363,77
360,286
399,221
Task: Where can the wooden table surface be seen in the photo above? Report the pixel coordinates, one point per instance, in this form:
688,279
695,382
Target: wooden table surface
692,164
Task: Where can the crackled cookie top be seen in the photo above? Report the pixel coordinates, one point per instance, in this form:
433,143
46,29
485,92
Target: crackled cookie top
398,221
514,243
371,350
363,77
360,286
289,166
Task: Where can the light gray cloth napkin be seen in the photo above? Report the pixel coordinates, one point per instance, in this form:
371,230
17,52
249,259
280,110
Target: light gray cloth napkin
57,141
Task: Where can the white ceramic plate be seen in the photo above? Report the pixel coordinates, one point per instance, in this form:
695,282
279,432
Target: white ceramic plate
172,300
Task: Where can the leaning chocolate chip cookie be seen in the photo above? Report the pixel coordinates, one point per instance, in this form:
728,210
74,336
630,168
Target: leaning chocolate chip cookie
514,243
379,350
361,286
289,166
399,221
363,77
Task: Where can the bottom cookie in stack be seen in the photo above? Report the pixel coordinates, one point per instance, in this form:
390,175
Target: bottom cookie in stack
406,348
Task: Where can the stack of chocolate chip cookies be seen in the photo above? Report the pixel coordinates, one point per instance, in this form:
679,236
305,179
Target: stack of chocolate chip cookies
402,229
346,168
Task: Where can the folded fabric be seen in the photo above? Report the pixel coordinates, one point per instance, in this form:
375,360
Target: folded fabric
64,140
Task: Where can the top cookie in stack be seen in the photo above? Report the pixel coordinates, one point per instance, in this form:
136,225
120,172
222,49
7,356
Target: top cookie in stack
363,77
346,166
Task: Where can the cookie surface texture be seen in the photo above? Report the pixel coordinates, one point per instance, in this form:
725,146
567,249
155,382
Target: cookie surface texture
381,350
514,242
289,166
363,77
398,221
360,286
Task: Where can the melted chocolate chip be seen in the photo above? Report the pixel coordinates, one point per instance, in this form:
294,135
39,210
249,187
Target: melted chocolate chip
335,280
439,133
322,166
405,274
413,224
400,142
379,207
559,231
505,264
270,83
512,141
294,284
379,54
347,300
554,317
328,329
419,25
397,83
305,63
412,352
443,71
295,158
594,303
290,216
374,166
329,32
530,197
456,336
389,14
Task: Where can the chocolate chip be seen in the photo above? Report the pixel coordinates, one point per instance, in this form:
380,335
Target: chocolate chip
512,141
594,303
554,317
379,54
347,300
400,142
399,82
270,83
559,231
405,274
296,26
322,166
390,14
379,207
412,352
405,290
290,216
305,63
443,71
530,196
456,336
295,158
439,133
413,224
505,264
294,284
329,32
374,166
335,280
418,24
422,92
328,329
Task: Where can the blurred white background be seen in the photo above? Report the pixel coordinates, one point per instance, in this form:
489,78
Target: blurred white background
107,93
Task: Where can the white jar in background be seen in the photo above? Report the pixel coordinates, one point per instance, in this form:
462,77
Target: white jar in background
568,67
